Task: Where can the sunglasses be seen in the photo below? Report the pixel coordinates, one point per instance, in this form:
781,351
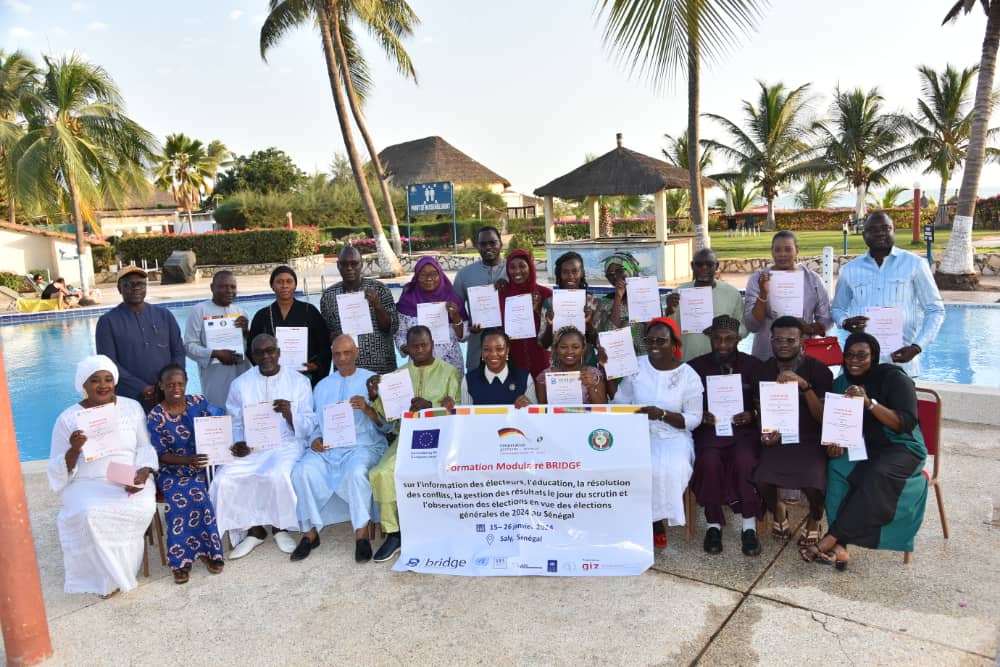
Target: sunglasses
655,341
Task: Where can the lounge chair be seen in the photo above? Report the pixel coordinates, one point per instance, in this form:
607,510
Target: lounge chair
8,298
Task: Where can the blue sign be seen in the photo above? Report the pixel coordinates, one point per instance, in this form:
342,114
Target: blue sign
430,198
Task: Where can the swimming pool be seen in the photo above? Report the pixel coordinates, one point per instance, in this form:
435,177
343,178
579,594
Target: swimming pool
41,360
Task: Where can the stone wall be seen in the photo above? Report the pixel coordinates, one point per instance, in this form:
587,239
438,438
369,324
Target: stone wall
447,262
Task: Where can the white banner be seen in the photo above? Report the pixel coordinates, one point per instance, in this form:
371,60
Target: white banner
545,490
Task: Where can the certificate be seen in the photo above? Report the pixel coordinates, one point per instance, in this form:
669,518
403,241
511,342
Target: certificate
842,419
213,436
294,345
338,425
643,295
396,391
779,410
355,317
725,400
519,317
124,474
787,293
567,308
563,388
484,306
262,426
100,425
696,309
434,316
618,345
221,333
886,324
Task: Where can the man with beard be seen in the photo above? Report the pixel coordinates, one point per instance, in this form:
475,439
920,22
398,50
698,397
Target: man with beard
217,368
799,465
726,447
487,271
889,276
726,300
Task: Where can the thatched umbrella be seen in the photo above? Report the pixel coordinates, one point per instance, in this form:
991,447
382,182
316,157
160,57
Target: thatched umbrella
434,159
618,172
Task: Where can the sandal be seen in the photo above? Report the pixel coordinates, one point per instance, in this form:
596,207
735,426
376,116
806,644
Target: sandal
779,530
109,595
841,558
214,566
809,538
812,554
181,576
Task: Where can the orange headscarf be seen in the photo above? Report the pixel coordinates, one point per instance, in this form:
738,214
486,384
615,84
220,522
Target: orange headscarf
675,332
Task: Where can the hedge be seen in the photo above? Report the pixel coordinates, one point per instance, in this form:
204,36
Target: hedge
467,230
12,280
821,219
332,247
246,247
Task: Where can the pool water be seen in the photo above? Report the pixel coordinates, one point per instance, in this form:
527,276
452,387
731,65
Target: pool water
41,360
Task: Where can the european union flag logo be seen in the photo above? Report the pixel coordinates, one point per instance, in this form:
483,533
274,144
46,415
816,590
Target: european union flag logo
426,439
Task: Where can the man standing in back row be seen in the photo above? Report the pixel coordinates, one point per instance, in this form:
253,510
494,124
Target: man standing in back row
487,271
726,300
889,276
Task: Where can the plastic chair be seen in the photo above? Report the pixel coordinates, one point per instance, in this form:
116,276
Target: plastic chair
158,523
929,413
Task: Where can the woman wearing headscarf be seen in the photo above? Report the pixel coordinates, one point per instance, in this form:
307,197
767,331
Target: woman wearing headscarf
611,310
522,279
877,503
101,523
429,284
670,392
287,311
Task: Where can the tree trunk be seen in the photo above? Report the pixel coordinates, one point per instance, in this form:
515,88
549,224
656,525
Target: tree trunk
359,120
81,243
859,204
328,14
941,215
772,224
11,214
957,270
698,221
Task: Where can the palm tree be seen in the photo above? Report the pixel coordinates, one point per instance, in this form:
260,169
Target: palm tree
772,150
743,194
80,149
188,169
861,143
818,191
665,37
18,80
677,153
349,81
957,270
889,198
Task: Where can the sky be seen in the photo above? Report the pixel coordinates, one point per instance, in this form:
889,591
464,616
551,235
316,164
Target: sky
525,87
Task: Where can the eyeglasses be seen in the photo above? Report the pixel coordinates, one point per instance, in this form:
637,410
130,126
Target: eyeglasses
857,356
655,341
137,284
784,341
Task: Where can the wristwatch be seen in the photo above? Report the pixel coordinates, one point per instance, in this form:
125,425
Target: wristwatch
663,416
872,405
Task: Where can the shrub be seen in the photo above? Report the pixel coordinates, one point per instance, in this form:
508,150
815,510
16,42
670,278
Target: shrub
822,219
12,280
104,257
520,241
256,245
332,247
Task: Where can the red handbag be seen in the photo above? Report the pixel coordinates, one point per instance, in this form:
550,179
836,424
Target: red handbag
826,350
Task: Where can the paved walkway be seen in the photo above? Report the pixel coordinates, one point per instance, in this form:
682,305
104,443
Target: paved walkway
941,609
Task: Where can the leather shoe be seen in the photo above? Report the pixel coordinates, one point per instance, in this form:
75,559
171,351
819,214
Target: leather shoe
751,546
305,546
392,545
713,541
362,550
248,544
285,541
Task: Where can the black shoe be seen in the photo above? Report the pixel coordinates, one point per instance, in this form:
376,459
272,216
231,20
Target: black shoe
305,546
393,543
751,546
362,550
713,541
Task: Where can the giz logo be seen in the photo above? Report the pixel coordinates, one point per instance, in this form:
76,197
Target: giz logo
590,566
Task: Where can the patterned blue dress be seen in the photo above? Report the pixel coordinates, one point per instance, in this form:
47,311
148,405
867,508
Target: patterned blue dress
191,530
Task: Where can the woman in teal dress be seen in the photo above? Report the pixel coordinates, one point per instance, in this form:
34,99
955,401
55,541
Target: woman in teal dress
191,531
877,503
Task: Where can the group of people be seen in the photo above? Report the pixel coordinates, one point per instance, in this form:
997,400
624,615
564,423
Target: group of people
304,485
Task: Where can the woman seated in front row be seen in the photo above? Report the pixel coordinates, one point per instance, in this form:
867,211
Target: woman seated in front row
570,351
497,380
876,503
101,523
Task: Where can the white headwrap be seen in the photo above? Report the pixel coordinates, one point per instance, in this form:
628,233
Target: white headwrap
91,365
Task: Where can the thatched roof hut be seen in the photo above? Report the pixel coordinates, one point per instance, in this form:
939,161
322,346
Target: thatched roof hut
434,159
619,172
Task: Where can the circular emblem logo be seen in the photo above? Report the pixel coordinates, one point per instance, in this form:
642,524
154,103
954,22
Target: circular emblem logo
600,440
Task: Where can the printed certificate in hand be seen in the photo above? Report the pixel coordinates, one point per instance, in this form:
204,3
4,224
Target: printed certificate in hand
567,308
355,317
696,309
886,324
842,420
213,436
779,410
396,391
643,294
563,388
617,344
221,333
124,474
262,426
434,316
519,317
294,345
338,425
484,306
725,400
787,293
100,425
